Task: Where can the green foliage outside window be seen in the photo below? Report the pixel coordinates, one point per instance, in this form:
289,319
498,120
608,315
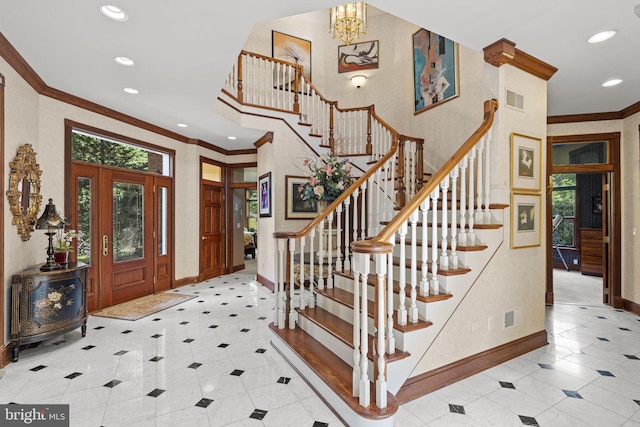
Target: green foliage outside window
563,200
96,150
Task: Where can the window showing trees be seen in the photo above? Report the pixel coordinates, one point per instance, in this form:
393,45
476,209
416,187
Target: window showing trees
563,201
251,197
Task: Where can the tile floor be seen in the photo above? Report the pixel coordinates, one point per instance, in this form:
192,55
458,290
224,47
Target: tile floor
208,362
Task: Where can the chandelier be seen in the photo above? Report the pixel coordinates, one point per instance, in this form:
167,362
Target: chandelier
348,22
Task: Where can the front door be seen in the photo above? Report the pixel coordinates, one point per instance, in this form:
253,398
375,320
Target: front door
212,243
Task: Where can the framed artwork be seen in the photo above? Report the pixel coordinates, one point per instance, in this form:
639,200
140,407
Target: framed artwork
526,162
358,56
292,49
435,70
297,208
525,220
264,195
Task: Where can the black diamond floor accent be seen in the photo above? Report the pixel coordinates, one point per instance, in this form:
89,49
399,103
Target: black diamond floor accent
528,421
156,319
583,308
128,331
73,375
545,366
196,292
180,309
112,383
59,342
223,345
239,296
188,340
283,380
603,339
156,359
38,368
225,303
571,393
156,392
206,312
456,409
625,329
120,353
194,365
213,326
262,318
631,356
319,424
184,323
200,300
507,385
249,305
237,372
204,402
601,317
245,330
97,328
261,350
89,347
156,336
233,315
262,299
218,295
637,402
232,289
258,414
606,373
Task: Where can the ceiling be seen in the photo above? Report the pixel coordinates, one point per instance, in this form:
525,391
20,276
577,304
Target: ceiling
184,49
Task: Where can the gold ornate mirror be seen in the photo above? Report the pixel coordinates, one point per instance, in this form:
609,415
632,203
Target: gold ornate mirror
24,190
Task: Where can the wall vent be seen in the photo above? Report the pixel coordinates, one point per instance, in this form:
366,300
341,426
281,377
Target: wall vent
515,100
509,319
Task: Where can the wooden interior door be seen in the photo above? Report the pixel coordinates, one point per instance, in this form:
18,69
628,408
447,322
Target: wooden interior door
212,242
163,237
126,233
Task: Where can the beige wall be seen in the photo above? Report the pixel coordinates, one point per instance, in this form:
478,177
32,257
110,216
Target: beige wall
630,167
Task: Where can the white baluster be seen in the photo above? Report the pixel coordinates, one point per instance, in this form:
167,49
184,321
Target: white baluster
356,196
463,201
365,392
302,277
487,176
373,192
312,297
402,310
434,283
347,248
424,282
292,287
479,185
453,257
444,256
339,266
363,211
413,309
381,381
321,254
391,340
330,249
471,236
357,270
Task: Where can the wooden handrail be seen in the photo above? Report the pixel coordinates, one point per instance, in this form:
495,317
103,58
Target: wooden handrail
379,244
347,193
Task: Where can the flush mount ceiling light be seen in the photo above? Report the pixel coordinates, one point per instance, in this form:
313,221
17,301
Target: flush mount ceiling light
602,36
231,137
131,90
114,12
348,22
358,80
181,125
612,82
123,60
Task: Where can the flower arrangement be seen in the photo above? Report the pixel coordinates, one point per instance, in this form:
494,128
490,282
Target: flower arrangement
64,240
328,176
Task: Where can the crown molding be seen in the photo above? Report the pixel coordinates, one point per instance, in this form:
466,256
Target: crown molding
20,65
504,52
595,117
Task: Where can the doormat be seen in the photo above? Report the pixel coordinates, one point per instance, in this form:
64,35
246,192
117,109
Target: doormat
144,306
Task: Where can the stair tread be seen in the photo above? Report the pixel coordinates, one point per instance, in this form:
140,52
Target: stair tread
346,298
335,372
343,330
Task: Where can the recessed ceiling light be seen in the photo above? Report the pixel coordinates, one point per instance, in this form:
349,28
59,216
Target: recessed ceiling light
181,125
231,137
131,90
612,82
123,60
114,12
602,36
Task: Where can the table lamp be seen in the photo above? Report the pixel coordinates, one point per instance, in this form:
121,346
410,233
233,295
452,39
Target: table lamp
50,220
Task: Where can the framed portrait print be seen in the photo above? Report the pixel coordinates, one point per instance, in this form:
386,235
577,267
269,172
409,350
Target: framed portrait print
526,166
264,195
297,208
292,49
525,220
358,56
435,70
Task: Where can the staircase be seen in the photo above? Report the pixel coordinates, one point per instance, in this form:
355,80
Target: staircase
365,288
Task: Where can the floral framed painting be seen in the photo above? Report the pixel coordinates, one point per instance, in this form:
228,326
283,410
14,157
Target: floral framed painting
264,195
358,56
296,207
435,70
292,49
526,162
525,220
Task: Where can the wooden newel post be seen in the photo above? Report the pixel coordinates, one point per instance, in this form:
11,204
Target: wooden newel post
400,195
239,79
420,165
369,114
296,88
331,138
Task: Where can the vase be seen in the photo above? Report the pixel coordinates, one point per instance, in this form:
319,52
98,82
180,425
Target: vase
61,257
322,205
